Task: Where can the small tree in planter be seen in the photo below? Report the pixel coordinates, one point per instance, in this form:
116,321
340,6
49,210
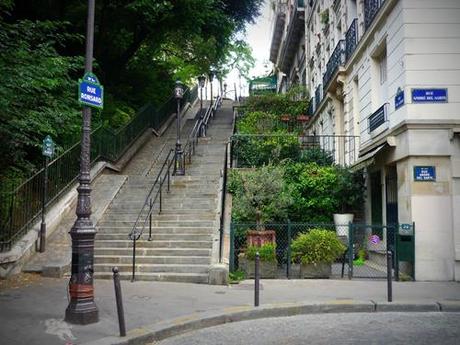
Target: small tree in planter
316,250
350,198
267,265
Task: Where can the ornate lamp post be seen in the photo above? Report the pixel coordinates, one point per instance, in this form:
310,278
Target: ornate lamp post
179,168
201,81
82,309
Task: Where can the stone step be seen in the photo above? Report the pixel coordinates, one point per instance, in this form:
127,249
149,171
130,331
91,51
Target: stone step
158,230
168,260
153,268
153,251
161,216
102,236
202,278
153,244
163,212
155,223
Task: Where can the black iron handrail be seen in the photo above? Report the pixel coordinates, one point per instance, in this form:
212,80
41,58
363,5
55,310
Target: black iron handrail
150,202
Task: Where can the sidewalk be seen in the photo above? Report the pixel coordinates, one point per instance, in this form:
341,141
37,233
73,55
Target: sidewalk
34,314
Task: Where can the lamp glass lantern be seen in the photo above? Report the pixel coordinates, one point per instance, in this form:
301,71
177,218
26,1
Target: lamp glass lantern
179,90
201,80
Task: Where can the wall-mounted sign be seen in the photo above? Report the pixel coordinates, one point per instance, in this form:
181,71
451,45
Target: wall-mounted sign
90,91
425,173
399,99
429,95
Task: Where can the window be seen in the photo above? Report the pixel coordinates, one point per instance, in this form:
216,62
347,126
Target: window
383,67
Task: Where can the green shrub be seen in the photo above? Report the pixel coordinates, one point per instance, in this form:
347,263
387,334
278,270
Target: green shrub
317,246
316,155
236,277
350,190
267,252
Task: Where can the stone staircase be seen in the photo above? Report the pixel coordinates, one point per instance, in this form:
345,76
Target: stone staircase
181,245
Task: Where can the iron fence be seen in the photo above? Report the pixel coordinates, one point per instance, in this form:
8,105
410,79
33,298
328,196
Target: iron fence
351,39
364,256
257,150
20,205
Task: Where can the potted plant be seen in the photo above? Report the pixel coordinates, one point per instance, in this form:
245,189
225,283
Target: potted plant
349,194
267,263
315,251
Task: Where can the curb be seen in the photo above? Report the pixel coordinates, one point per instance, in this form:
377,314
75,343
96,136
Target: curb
181,325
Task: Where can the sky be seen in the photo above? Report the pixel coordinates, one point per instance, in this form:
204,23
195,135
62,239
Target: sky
258,36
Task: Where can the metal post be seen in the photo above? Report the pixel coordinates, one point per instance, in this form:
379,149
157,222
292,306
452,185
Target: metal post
150,219
389,277
288,264
350,250
212,108
82,308
161,185
119,300
234,87
256,281
133,277
44,200
231,264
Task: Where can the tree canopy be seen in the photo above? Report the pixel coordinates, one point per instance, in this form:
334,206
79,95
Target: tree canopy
141,48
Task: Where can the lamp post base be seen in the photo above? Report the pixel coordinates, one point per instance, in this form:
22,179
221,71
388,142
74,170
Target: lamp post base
179,169
82,313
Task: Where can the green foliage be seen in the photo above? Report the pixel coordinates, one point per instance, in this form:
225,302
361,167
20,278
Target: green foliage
37,93
316,155
350,190
236,277
362,256
314,191
292,103
317,246
267,252
260,195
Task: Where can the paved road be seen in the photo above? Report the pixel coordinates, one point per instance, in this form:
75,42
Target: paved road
377,328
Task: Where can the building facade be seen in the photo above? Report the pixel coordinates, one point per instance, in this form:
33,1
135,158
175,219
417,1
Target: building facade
385,75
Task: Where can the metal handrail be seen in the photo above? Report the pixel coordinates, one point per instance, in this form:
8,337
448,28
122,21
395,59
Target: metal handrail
150,201
223,199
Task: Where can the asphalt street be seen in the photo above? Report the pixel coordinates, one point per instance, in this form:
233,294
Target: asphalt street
352,328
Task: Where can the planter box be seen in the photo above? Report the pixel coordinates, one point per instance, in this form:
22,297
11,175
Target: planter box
267,270
320,270
259,238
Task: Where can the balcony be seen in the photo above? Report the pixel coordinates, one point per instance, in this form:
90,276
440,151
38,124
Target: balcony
351,39
294,34
311,107
280,18
337,59
318,96
377,119
371,8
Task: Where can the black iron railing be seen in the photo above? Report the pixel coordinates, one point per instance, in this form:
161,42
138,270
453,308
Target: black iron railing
378,118
351,39
318,96
337,59
20,205
371,8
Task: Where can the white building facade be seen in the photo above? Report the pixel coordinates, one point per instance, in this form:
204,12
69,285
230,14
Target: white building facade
385,74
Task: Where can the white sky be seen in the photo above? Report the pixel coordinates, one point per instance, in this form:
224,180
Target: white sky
259,38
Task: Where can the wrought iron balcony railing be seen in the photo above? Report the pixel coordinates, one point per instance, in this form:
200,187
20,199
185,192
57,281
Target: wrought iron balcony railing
371,8
377,119
318,96
351,39
311,107
337,58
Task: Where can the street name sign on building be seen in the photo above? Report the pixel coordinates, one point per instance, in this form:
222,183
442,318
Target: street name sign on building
90,91
425,173
399,99
429,95
48,147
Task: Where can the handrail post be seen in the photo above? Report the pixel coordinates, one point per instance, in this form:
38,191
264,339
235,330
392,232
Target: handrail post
133,277
150,219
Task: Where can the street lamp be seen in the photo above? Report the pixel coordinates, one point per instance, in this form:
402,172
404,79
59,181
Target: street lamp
225,90
82,309
201,81
179,168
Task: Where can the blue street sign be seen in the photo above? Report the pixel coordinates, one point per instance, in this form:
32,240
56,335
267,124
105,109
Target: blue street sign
90,91
48,147
399,99
425,173
429,95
